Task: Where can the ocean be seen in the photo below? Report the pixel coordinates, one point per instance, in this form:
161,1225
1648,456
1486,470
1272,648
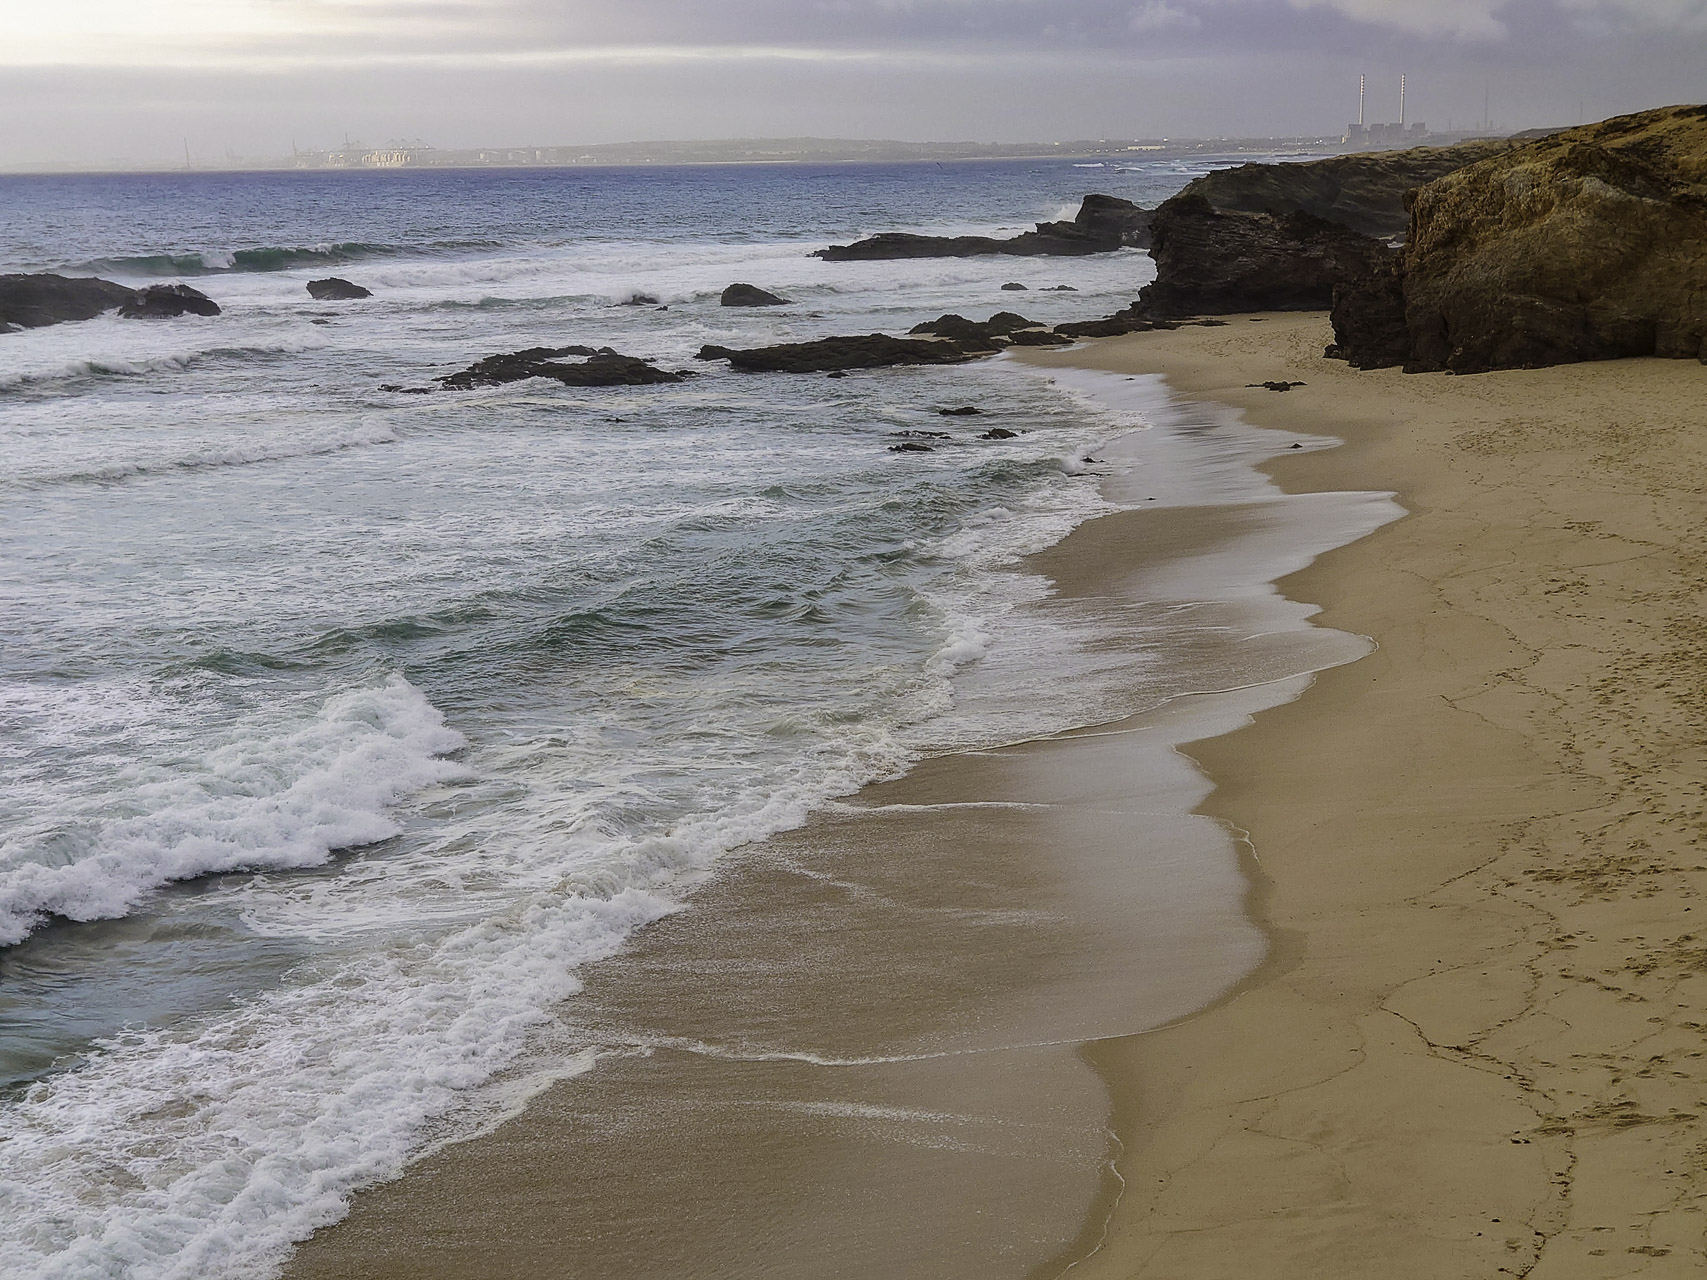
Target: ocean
341,728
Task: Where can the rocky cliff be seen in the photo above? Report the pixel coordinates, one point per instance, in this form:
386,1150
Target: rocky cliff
1589,244
1365,192
1213,262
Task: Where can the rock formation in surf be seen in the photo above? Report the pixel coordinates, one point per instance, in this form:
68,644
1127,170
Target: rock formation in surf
601,367
750,295
35,301
336,289
860,351
1590,244
1005,328
1102,225
167,301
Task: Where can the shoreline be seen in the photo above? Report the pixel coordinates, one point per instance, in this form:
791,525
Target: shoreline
1472,1049
894,998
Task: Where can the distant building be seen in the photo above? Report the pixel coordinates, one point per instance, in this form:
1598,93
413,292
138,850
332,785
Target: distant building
1384,135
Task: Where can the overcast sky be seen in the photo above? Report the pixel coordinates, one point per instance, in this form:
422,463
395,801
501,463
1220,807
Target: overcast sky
95,81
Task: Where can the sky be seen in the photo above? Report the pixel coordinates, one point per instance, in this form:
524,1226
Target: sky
96,82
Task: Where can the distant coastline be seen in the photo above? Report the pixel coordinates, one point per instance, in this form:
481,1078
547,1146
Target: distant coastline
779,151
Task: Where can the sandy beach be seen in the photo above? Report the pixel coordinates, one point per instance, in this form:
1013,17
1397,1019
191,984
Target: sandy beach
1476,1046
1465,1041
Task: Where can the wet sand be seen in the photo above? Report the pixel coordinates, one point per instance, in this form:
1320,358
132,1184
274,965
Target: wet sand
1476,1047
864,1049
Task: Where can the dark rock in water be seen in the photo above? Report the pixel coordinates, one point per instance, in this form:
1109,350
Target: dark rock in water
998,433
1274,386
1365,192
1013,286
863,351
602,368
964,411
165,301
1213,262
334,289
1060,288
638,300
35,301
747,295
890,245
1039,338
912,446
1102,225
990,335
836,373
1590,244
922,435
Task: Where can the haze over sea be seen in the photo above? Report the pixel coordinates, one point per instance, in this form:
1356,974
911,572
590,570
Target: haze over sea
338,726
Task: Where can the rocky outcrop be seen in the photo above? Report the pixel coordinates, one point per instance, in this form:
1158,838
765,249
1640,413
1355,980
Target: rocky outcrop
1213,262
1102,225
166,302
1365,192
838,354
334,289
35,301
1589,244
1369,320
1005,328
600,368
748,295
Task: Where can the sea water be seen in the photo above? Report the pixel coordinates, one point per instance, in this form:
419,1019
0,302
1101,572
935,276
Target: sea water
339,726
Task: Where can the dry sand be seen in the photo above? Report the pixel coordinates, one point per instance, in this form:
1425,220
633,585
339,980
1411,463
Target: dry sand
1477,1046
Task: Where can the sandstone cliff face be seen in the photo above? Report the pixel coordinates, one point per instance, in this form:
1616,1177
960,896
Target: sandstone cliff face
1590,244
1365,192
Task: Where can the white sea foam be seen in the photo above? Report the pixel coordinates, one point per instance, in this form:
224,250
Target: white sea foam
257,800
597,782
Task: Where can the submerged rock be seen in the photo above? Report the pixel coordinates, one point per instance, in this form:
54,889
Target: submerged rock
911,446
964,411
638,300
166,301
748,295
1013,286
862,351
601,368
334,289
998,433
1102,225
36,301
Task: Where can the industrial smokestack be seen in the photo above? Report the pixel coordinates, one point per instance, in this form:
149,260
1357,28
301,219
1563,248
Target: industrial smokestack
1401,100
1362,88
